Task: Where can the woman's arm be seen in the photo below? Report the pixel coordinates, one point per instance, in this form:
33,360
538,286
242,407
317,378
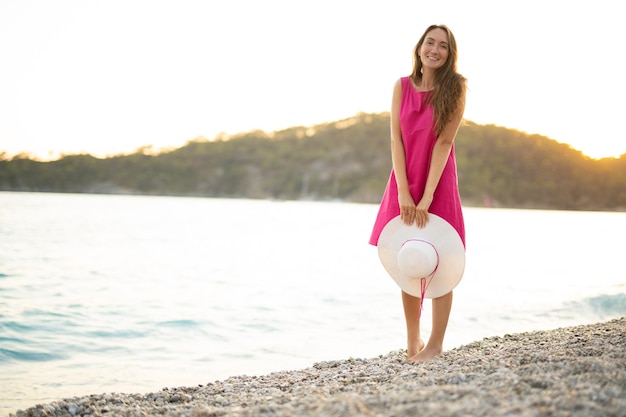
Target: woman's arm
398,158
438,160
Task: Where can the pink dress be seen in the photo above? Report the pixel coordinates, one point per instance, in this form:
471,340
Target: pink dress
419,137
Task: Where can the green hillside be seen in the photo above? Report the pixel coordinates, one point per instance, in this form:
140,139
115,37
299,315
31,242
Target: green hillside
346,160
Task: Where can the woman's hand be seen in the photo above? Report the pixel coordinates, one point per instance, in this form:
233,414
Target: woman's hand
421,211
407,208
409,212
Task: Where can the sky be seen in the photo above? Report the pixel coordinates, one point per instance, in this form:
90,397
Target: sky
107,77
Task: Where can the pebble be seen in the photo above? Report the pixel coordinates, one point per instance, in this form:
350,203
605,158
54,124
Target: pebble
574,371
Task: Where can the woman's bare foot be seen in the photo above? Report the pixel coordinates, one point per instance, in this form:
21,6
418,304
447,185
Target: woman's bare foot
426,354
412,351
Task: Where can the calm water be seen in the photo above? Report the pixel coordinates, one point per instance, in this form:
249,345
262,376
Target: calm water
133,294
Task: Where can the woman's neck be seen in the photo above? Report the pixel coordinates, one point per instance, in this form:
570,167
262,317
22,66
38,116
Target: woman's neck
428,80
425,83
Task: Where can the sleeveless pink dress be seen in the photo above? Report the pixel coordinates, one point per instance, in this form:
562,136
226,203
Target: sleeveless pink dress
419,137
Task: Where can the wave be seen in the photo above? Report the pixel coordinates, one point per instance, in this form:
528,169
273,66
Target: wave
608,304
27,356
601,306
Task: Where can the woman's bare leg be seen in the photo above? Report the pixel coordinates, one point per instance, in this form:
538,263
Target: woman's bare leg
411,306
441,314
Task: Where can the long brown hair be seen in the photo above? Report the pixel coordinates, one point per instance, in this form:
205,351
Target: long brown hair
449,85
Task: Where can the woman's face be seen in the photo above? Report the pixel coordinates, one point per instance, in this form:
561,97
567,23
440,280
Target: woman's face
435,49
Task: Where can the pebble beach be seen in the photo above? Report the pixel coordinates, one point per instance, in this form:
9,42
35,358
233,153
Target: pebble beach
573,371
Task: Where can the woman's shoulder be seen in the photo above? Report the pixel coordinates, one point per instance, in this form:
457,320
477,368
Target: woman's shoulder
402,82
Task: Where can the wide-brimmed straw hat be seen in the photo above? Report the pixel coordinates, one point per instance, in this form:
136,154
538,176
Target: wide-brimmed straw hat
425,262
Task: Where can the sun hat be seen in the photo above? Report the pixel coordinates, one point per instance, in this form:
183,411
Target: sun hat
425,262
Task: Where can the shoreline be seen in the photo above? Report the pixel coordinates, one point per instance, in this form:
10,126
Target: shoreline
578,370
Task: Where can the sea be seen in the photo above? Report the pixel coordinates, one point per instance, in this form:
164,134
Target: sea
132,294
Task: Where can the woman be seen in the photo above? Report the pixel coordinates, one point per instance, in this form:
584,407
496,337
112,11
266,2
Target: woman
426,112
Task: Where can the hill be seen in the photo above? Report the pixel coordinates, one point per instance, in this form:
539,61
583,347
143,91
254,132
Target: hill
345,160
